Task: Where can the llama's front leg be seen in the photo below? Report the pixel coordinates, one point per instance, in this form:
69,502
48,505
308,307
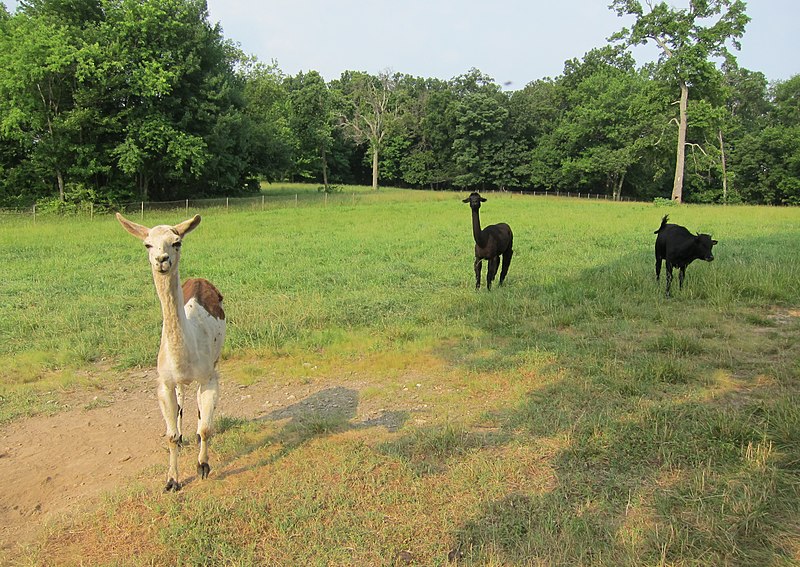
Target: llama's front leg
477,273
168,401
206,402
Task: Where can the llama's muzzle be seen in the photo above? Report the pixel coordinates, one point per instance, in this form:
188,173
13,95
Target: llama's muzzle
163,263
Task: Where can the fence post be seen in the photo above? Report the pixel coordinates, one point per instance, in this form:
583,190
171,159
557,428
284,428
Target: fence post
227,203
295,199
262,202
187,206
142,209
34,213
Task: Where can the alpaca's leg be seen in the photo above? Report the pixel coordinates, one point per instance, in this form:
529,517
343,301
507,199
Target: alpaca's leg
493,265
206,402
477,273
506,264
179,397
168,401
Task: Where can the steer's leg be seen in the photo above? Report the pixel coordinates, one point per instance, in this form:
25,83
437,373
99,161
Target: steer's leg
669,277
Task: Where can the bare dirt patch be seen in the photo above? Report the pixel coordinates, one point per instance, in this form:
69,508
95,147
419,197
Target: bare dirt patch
105,439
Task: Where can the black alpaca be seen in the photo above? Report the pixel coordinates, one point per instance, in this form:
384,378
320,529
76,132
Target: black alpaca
490,243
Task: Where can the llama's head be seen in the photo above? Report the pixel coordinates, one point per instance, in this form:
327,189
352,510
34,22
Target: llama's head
474,201
163,242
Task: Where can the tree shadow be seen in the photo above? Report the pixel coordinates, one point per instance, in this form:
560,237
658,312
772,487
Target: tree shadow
430,450
678,481
655,469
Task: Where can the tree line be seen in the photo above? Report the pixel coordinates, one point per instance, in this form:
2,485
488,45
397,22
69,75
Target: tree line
114,100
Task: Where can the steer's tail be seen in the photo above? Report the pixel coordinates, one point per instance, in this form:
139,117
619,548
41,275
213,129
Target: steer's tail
663,224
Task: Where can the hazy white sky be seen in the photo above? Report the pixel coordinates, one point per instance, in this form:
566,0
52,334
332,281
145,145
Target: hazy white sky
514,41
509,40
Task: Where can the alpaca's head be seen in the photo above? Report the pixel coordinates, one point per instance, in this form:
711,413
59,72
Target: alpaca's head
163,242
474,201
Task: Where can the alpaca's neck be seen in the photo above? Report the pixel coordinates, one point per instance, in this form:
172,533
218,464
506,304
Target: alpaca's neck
476,227
173,328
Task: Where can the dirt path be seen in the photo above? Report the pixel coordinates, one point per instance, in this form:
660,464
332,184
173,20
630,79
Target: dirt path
52,465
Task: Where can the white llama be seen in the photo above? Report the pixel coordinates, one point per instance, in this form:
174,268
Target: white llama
192,334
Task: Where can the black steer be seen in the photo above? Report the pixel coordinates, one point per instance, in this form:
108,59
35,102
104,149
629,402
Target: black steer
679,248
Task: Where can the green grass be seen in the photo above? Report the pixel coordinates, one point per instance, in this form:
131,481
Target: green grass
574,416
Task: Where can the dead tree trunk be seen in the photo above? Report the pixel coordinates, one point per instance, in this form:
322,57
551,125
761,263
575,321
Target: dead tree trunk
680,156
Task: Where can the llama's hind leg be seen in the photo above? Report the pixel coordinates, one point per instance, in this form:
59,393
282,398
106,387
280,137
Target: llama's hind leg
168,402
494,263
506,264
179,396
206,402
478,262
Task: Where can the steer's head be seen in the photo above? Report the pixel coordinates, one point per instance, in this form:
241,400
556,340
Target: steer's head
704,244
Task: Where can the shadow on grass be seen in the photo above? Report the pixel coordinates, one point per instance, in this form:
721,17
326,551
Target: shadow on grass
429,450
326,412
659,467
674,482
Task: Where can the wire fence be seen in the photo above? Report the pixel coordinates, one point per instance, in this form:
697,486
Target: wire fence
258,202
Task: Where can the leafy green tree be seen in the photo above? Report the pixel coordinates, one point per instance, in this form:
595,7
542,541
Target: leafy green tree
312,121
431,161
39,56
271,147
479,138
479,116
767,159
610,122
688,38
536,111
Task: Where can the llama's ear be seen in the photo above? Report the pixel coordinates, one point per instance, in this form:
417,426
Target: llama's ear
137,230
713,242
483,200
465,200
187,226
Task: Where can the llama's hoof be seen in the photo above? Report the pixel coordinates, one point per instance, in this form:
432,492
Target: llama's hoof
172,486
203,470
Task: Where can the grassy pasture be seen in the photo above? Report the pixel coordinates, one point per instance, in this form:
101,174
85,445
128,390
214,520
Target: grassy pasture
574,416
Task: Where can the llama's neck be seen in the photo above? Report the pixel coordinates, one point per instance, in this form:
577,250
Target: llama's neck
173,328
476,227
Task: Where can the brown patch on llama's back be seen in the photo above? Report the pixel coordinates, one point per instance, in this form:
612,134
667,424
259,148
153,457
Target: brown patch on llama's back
204,292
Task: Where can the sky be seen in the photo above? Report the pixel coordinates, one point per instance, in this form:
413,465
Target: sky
513,41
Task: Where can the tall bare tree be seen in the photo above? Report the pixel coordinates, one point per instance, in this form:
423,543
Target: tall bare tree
370,112
688,38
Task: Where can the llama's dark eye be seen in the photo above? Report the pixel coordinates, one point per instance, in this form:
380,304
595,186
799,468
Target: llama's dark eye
148,246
